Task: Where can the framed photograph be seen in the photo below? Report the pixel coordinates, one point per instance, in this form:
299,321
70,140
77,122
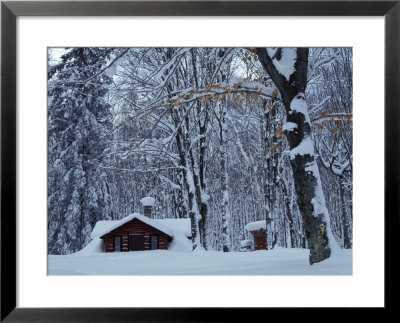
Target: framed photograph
175,160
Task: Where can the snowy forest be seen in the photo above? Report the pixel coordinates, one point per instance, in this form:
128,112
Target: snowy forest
222,136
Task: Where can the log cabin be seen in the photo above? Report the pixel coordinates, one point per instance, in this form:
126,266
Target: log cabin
140,232
137,232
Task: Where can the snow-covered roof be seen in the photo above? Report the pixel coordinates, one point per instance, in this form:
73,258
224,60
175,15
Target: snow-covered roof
172,227
101,227
258,225
177,226
246,243
148,201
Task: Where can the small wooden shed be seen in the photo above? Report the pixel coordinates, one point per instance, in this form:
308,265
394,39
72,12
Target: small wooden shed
259,233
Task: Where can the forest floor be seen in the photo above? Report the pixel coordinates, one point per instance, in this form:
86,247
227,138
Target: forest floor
279,261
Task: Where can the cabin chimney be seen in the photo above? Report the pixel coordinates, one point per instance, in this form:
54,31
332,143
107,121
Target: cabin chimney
147,210
148,203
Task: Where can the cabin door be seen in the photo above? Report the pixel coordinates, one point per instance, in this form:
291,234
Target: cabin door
260,243
136,241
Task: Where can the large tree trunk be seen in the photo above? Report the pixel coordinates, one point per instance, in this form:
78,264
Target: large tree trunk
307,181
188,178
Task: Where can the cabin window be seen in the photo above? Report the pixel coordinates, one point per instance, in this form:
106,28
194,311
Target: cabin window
153,242
117,243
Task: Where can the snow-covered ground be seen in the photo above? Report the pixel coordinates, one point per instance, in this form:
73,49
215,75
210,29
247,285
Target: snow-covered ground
280,261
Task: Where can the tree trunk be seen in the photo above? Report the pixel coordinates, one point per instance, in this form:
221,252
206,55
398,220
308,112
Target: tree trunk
190,193
224,186
308,187
200,176
289,215
345,221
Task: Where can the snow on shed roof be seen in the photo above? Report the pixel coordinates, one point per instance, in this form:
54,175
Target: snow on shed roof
246,243
258,225
148,201
169,226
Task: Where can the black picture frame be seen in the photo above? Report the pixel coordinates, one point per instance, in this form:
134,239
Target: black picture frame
10,10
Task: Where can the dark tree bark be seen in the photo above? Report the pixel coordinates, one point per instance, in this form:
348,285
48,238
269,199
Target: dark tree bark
307,183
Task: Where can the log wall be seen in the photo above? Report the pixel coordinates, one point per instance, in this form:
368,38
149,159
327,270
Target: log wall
134,226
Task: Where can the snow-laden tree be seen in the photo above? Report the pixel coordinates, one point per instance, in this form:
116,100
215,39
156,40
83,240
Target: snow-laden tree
78,120
288,68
